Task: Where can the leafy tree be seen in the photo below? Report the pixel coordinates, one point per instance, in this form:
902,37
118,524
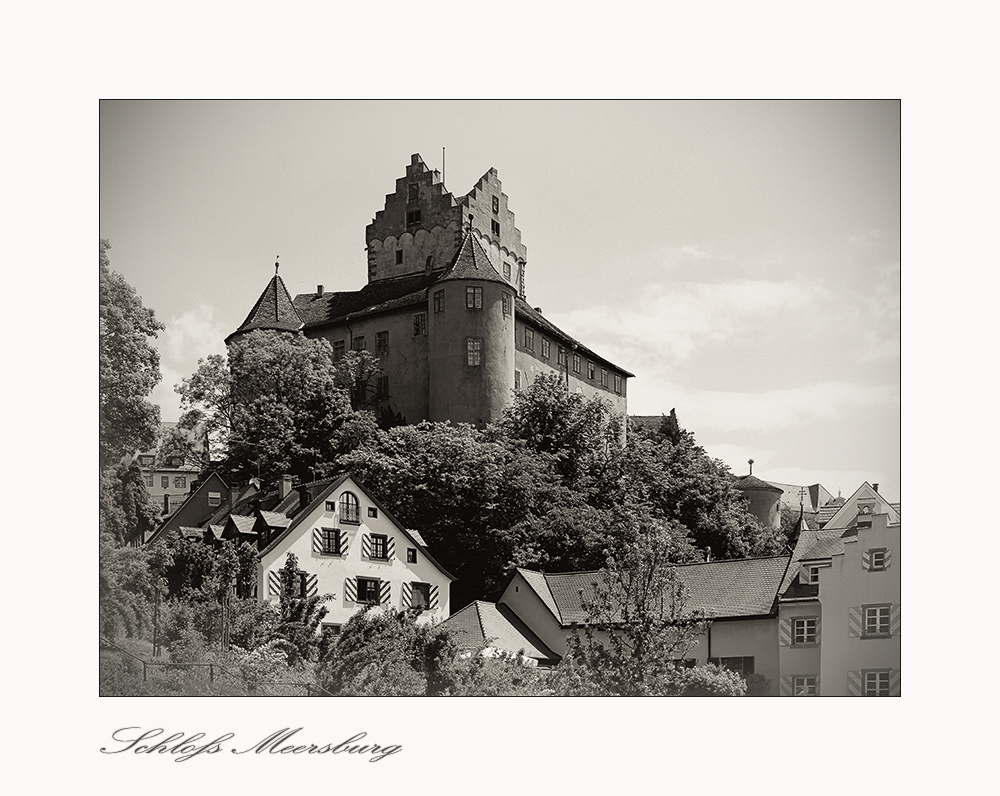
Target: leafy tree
299,617
129,367
128,578
125,507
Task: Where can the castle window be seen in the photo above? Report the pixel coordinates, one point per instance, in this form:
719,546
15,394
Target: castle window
604,377
382,387
419,324
413,192
576,363
180,482
349,511
495,226
338,349
529,339
412,218
590,370
149,479
438,301
506,271
496,204
474,351
506,305
399,256
380,546
358,343
214,498
618,383
545,349
561,359
474,298
372,511
420,595
381,342
876,560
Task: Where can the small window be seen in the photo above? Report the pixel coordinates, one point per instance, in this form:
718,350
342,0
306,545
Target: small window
413,192
495,226
591,371
618,383
331,541
411,555
372,511
506,271
329,628
505,302
420,324
576,363
804,630
876,620
338,349
561,359
382,387
399,256
420,597
149,479
812,575
145,461
349,510
358,343
877,560
381,342
474,351
331,506
876,683
380,546
368,591
496,204
164,482
804,686
214,498
529,339
604,377
545,349
438,301
473,298
412,218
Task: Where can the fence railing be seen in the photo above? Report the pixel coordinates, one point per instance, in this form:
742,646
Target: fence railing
252,686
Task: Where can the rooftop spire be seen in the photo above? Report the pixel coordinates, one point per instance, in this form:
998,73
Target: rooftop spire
276,264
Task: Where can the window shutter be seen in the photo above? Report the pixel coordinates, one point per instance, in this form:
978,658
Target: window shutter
854,682
894,682
786,685
888,557
785,632
818,639
344,542
818,692
384,591
366,545
894,621
804,575
351,589
407,594
390,548
866,560
434,597
312,585
854,623
274,583
317,540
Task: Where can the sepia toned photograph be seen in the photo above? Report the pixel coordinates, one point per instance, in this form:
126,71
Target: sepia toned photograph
499,398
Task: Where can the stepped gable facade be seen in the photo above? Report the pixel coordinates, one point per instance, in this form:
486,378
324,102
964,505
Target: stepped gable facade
445,309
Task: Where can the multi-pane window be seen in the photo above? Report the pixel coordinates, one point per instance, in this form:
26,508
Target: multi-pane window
164,482
591,370
473,298
604,377
561,359
412,217
358,343
214,498
804,630
495,226
438,301
878,559
411,555
368,591
149,479
474,351
420,597
338,349
380,546
419,324
529,339
381,386
506,271
876,620
545,349
496,204
381,342
331,541
876,683
180,482
349,509
505,302
812,574
331,505
618,383
804,686
576,363
742,664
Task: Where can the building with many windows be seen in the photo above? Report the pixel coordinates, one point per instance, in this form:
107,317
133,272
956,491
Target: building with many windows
445,309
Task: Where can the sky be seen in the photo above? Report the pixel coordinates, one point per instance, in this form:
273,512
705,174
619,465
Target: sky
742,259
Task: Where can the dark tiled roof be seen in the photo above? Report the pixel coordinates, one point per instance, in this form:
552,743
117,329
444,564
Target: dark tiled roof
472,262
824,548
827,513
801,591
753,482
243,523
807,541
496,626
275,519
373,297
273,310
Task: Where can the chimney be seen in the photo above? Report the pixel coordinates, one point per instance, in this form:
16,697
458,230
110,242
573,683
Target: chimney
305,498
319,291
875,487
284,487
166,504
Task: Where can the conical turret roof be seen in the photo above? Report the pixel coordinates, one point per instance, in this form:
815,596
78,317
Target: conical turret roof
472,262
273,310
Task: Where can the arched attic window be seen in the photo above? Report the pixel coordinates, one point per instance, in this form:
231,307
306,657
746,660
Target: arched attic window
350,511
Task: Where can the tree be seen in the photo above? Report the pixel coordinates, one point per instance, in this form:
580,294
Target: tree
300,617
279,405
129,367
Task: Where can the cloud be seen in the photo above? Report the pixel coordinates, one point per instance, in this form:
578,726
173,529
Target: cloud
187,338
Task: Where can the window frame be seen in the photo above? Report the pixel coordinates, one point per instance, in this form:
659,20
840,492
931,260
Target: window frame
424,591
618,383
348,511
877,551
419,324
529,338
382,342
506,271
327,535
809,685
413,192
591,370
809,632
577,362
373,512
413,217
546,349
604,377
877,609
495,227
376,587
339,349
438,301
879,687
359,343
505,304
214,499
379,544
411,555
164,482
473,350
399,256
496,205
473,297
382,386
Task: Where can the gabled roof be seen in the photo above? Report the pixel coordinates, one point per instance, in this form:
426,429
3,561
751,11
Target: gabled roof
848,512
723,589
213,480
273,310
275,519
243,523
472,262
808,541
496,626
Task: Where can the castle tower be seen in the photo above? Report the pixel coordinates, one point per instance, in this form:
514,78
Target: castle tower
470,339
273,310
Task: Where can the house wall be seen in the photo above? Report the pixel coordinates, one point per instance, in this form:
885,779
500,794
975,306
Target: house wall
800,660
332,571
741,638
521,597
198,507
846,585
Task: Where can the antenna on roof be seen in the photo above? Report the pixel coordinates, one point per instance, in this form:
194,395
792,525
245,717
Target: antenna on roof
276,264
442,165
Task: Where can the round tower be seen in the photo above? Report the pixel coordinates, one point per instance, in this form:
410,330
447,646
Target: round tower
765,499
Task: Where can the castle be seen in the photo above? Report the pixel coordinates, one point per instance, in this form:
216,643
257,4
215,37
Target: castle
444,310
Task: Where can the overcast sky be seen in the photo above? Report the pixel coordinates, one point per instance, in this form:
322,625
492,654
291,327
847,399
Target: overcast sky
740,258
